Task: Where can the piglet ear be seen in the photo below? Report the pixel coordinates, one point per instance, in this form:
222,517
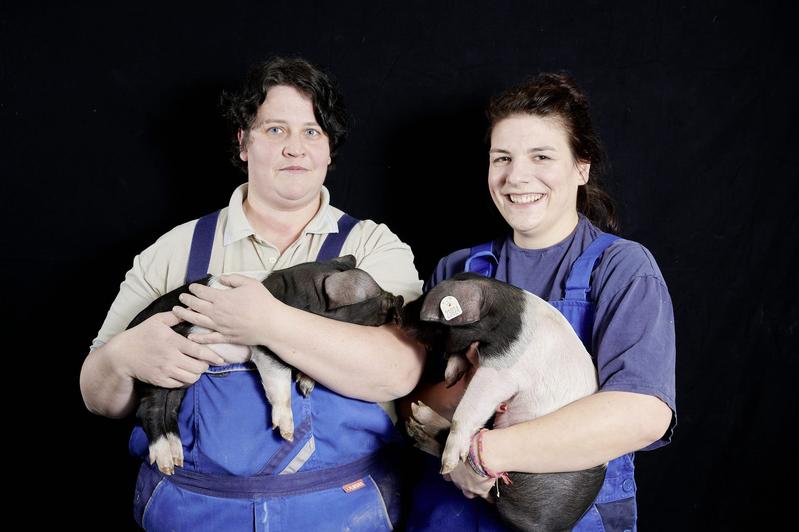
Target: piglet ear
349,287
439,302
346,260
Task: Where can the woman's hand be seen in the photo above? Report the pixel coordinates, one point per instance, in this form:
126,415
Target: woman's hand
238,315
470,483
152,352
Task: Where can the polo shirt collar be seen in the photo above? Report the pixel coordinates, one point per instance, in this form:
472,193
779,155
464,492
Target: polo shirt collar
238,227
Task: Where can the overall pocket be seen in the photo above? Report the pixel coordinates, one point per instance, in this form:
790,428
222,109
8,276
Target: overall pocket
147,484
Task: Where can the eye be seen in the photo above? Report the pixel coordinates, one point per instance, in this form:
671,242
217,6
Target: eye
502,159
540,157
313,133
274,130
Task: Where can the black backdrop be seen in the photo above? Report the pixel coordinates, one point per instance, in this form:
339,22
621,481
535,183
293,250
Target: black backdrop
111,136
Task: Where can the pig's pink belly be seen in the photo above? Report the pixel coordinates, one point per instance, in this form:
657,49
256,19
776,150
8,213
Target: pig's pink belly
520,409
232,353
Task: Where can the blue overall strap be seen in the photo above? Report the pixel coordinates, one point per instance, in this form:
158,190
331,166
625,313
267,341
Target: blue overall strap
579,281
482,260
331,248
201,245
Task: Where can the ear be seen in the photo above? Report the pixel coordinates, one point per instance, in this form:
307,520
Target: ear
345,260
468,294
584,171
242,147
349,287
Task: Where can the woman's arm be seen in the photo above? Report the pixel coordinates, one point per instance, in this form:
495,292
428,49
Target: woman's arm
368,363
583,434
151,352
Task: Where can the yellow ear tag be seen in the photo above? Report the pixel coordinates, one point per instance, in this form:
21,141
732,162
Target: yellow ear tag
450,308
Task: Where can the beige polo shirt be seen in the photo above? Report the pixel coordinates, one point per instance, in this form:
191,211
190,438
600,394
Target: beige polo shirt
162,267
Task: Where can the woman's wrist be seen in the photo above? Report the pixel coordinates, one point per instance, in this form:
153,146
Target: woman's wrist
490,454
477,462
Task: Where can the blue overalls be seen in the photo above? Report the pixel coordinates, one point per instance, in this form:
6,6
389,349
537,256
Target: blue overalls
438,505
239,474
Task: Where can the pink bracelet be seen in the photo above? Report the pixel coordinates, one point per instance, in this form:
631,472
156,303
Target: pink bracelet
473,460
504,476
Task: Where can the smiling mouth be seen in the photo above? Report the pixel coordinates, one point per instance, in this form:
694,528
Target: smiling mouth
520,199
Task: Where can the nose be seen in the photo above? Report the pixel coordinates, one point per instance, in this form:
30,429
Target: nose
518,174
294,147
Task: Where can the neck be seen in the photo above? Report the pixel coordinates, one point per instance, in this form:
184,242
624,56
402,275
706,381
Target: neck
280,227
556,234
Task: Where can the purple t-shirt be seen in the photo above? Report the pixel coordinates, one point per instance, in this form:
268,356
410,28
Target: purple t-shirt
633,335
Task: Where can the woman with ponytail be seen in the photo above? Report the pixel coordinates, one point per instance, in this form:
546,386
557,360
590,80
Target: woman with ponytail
545,165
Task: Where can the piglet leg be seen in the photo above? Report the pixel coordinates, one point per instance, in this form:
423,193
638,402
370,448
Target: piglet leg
428,429
305,383
276,380
489,387
457,366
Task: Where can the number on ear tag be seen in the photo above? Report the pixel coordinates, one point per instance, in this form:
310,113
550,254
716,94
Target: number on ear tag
450,308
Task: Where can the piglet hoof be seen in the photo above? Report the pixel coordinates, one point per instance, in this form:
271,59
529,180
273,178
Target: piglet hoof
305,384
175,448
423,440
432,421
161,454
457,366
448,467
449,458
283,419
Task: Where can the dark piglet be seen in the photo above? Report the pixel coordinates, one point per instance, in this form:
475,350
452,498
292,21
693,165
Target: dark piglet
531,363
333,288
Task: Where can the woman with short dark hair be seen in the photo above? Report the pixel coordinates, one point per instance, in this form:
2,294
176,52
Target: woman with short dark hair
336,471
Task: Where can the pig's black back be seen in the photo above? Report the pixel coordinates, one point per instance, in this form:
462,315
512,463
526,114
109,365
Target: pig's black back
548,502
165,303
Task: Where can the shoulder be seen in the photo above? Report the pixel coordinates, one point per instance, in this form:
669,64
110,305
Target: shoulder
172,241
368,236
170,253
381,253
626,262
448,266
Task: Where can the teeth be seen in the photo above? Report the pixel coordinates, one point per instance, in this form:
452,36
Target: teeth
525,198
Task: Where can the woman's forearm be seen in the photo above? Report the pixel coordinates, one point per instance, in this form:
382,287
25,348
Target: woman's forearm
106,390
368,363
583,434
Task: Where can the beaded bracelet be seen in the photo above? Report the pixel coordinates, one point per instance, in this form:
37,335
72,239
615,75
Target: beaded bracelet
504,476
473,460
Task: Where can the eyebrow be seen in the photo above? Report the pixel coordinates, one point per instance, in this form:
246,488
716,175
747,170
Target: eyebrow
268,120
531,150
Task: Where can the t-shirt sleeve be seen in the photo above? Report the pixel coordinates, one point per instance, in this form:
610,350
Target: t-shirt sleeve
155,271
387,259
634,342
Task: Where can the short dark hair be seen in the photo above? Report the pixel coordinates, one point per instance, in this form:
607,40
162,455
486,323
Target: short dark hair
241,107
557,95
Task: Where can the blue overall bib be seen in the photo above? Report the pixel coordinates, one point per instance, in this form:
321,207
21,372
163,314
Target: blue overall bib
438,505
239,474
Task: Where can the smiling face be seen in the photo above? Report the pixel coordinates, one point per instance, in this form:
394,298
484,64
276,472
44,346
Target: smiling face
533,179
286,151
